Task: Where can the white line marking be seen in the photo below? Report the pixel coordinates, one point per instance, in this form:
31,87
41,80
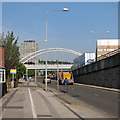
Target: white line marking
96,94
32,105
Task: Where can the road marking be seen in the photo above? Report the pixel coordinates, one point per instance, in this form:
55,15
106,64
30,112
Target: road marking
44,116
96,94
32,105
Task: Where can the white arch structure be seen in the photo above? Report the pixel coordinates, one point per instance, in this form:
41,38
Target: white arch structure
43,51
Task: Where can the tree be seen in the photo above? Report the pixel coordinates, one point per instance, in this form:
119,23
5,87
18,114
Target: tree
21,70
11,52
31,73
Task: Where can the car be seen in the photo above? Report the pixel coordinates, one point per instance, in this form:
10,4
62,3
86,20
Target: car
48,79
71,82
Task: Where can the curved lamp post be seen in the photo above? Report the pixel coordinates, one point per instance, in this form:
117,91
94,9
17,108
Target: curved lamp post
64,9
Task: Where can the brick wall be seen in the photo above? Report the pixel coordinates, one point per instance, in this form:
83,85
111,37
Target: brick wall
2,56
105,73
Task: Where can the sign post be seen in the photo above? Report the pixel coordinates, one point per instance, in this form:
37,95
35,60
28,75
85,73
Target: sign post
13,71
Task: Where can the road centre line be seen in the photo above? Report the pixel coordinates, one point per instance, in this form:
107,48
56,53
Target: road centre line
32,105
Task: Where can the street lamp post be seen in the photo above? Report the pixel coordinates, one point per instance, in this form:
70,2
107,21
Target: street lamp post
57,76
64,9
46,65
35,65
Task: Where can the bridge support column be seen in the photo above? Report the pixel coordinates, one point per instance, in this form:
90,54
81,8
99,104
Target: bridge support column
27,74
57,76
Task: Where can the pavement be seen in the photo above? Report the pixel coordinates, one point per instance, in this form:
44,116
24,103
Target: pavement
31,101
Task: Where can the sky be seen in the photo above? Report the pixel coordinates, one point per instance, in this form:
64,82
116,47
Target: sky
65,29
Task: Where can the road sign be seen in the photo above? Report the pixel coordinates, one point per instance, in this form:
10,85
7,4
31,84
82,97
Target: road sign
12,71
41,72
90,60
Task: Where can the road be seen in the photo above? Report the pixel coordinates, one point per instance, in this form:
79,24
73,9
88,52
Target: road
31,101
102,99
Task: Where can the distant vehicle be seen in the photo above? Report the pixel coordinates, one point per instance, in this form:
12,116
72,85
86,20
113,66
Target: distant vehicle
64,75
48,79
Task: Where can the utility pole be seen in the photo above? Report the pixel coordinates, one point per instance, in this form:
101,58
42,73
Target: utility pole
35,63
57,76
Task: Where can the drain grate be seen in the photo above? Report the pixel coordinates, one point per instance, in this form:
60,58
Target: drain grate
14,107
44,116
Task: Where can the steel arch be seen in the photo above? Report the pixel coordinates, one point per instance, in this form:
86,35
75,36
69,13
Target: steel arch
40,52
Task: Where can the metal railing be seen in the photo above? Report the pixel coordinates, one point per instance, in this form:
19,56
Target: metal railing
108,54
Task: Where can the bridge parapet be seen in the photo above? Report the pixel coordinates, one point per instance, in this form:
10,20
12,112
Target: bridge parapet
50,67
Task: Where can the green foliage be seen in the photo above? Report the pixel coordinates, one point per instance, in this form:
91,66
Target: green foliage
31,73
11,52
21,70
16,82
9,79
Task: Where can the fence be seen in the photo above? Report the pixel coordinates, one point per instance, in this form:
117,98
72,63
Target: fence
108,54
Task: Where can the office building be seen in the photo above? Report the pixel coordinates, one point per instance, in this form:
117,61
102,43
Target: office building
84,59
28,47
105,46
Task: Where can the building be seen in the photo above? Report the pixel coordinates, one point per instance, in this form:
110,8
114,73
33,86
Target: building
84,59
27,48
2,66
105,46
1,55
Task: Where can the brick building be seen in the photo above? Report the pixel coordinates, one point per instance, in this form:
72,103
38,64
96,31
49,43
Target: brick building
2,69
2,55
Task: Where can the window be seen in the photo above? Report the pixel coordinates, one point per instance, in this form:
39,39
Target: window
110,49
100,49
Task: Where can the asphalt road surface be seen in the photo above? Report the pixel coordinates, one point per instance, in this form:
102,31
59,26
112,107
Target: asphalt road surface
102,99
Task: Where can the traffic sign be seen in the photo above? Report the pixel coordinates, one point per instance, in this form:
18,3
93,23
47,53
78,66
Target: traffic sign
90,60
12,71
41,72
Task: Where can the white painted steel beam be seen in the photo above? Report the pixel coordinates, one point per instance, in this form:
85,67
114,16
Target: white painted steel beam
50,67
34,54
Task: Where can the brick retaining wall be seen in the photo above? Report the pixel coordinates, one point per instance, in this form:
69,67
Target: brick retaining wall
104,73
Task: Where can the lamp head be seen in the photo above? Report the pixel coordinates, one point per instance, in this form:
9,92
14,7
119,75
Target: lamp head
91,32
45,41
65,9
107,31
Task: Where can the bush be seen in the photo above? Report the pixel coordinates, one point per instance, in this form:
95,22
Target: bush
9,80
16,82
